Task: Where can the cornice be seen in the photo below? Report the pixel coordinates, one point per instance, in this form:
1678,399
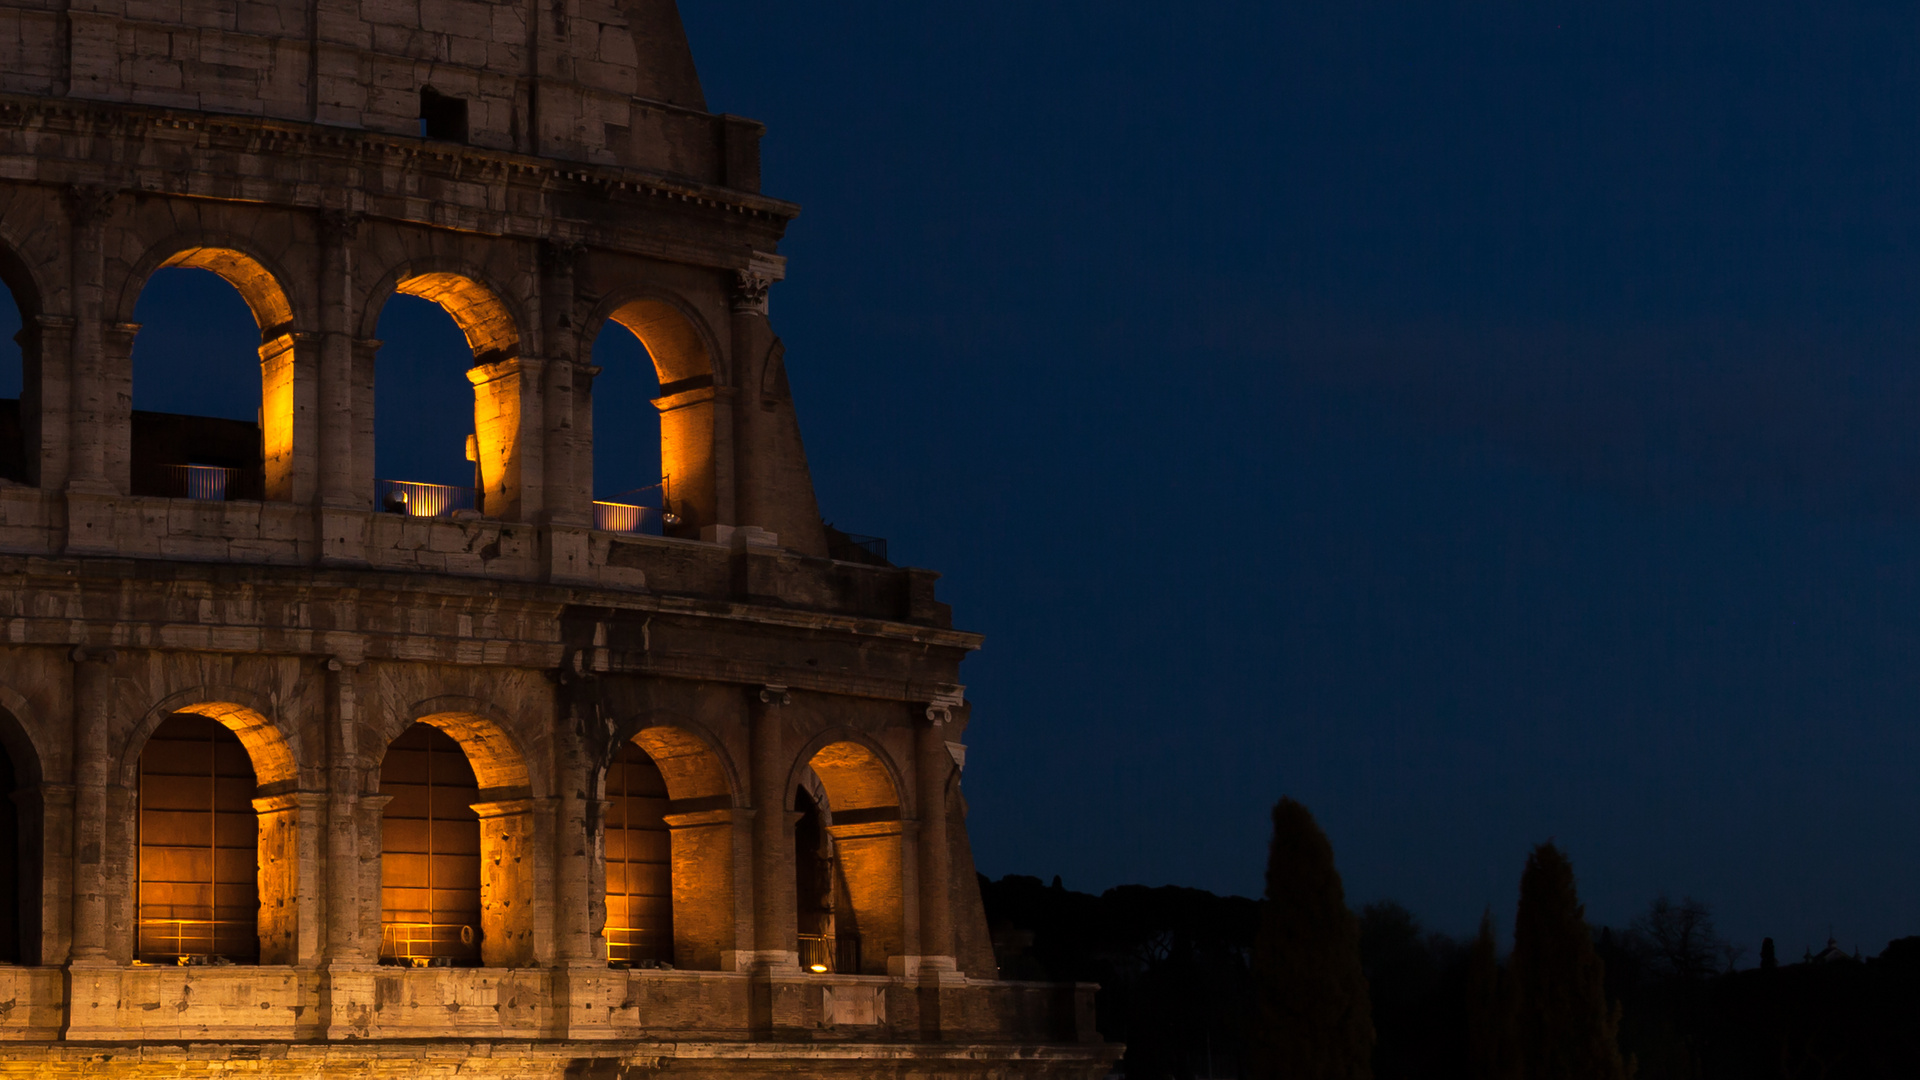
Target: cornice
357,148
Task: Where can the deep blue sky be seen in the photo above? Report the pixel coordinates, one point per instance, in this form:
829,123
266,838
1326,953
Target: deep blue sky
1483,422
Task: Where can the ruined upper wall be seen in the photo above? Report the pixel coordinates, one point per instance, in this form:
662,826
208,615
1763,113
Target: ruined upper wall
605,81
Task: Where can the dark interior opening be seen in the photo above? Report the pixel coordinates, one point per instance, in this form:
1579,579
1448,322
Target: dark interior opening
442,117
200,457
12,894
639,862
199,893
430,853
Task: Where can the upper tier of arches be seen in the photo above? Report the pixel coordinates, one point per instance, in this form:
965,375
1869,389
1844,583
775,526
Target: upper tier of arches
316,287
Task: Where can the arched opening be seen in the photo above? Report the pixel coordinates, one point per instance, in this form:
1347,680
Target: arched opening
430,853
19,372
447,400
214,394
682,396
198,893
629,485
848,862
459,801
639,928
13,901
669,853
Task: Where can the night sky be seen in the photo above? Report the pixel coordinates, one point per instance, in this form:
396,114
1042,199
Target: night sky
1485,422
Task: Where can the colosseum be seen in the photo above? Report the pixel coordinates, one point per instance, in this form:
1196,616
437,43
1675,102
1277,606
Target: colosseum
311,771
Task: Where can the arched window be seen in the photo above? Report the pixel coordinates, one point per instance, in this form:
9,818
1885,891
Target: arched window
639,927
430,852
424,445
198,897
19,372
628,484
669,842
829,931
858,874
213,382
673,411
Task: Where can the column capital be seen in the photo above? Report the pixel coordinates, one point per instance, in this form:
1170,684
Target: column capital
560,256
775,694
751,284
89,203
339,226
97,653
943,701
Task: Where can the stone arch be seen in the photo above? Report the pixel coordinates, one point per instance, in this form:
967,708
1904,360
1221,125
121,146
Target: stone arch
859,774
683,349
262,285
241,711
866,864
491,324
22,833
284,917
704,843
510,878
484,735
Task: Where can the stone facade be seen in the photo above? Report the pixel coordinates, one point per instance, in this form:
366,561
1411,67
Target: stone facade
535,169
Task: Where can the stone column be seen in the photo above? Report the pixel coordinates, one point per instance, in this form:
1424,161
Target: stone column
290,448
87,208
338,230
507,883
45,404
507,421
934,767
775,922
289,913
344,944
92,715
566,502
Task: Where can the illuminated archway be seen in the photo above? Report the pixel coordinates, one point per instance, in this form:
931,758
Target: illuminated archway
681,354
669,851
201,432
458,878
217,835
848,861
424,381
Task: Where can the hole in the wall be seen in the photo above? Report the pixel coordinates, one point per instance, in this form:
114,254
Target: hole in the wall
441,116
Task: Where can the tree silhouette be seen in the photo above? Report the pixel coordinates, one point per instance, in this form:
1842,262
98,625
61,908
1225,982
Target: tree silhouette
1489,1041
1313,1018
1562,1027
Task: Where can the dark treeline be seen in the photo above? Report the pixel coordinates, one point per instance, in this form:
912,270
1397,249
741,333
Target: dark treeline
1175,970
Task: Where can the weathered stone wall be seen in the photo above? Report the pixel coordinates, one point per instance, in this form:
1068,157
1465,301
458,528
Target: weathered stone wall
612,83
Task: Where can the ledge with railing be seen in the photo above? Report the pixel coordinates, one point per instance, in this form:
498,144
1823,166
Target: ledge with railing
830,953
428,944
423,500
641,510
206,483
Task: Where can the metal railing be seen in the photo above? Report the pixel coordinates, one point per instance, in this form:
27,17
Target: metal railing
418,942
187,937
423,500
823,953
207,483
629,944
641,510
852,547
628,518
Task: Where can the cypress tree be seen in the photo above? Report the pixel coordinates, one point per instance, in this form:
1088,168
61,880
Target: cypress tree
1313,1018
1562,1027
1488,1040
